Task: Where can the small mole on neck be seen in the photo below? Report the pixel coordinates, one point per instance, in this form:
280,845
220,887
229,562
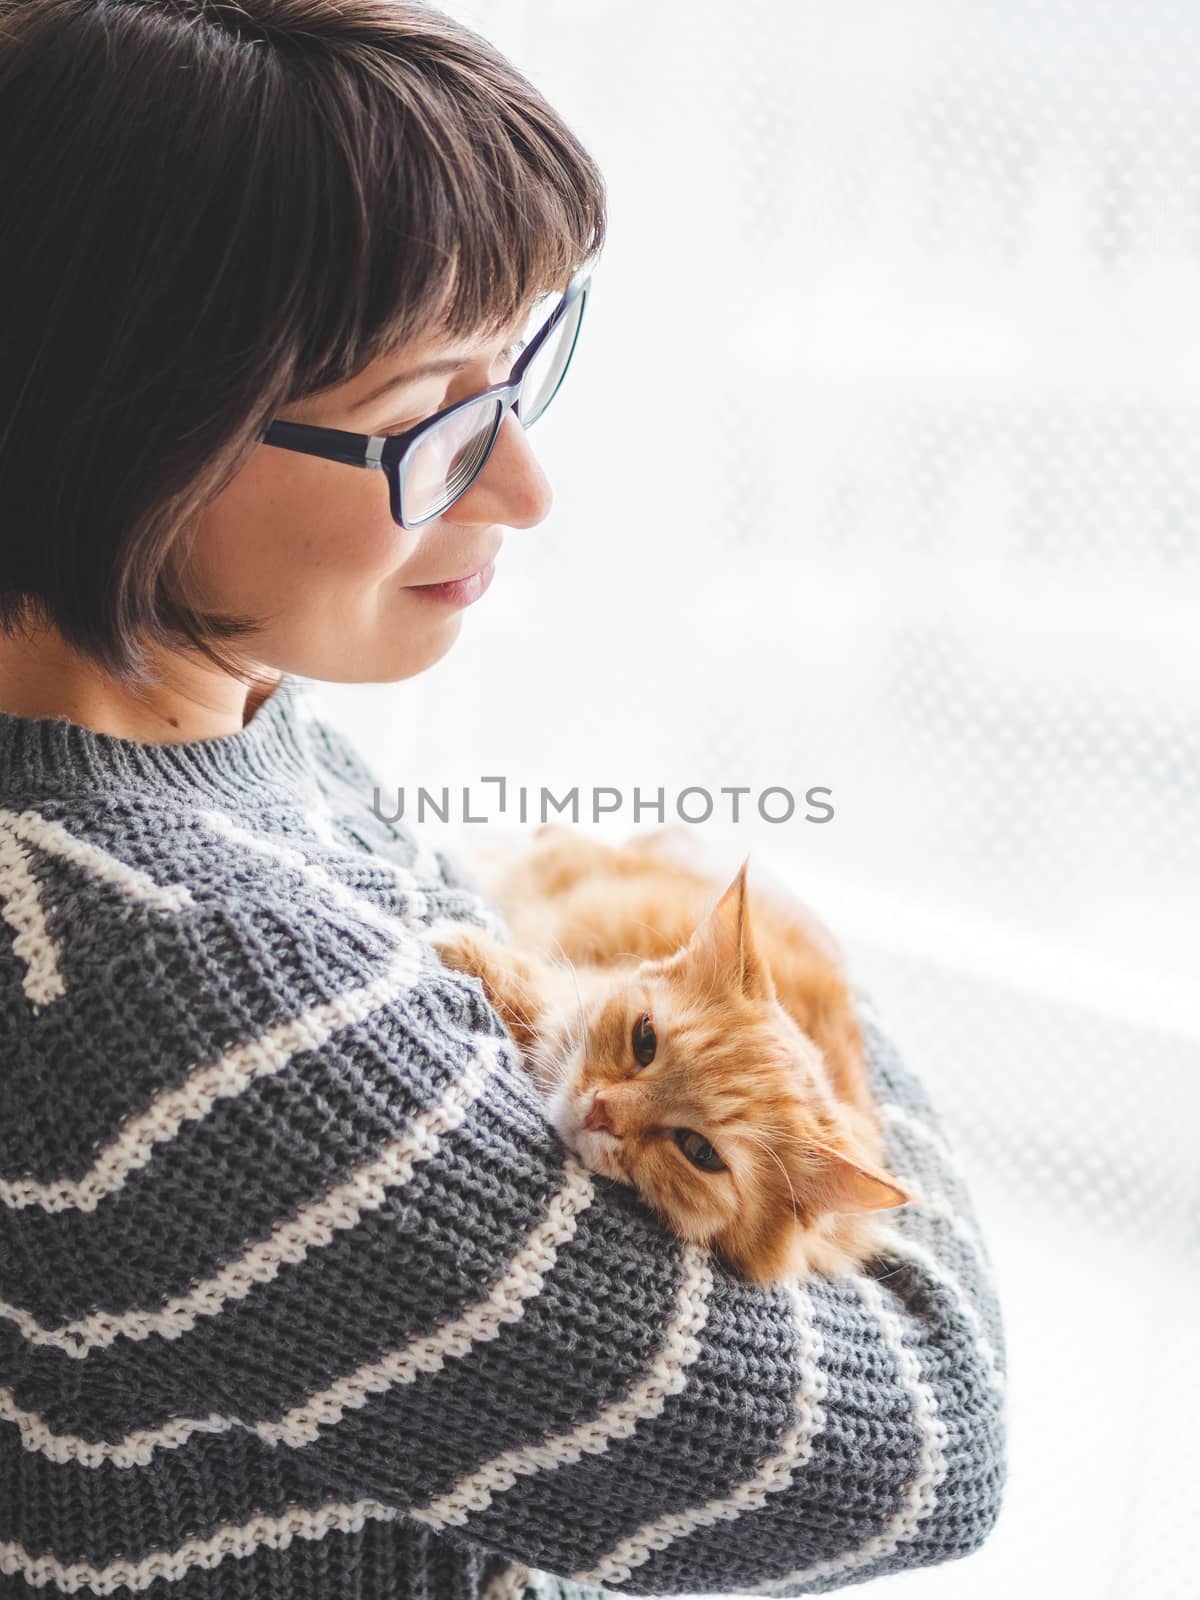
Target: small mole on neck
174,721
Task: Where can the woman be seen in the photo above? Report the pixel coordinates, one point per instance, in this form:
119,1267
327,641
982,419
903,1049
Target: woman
301,1294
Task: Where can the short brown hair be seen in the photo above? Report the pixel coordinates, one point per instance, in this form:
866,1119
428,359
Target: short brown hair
212,208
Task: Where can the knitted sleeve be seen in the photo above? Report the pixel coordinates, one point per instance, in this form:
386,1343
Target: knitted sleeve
355,801
288,1182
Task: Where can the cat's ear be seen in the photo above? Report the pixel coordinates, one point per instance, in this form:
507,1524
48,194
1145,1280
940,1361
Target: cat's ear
723,945
852,1183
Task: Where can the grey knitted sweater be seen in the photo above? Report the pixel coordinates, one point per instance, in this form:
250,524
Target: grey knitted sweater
301,1297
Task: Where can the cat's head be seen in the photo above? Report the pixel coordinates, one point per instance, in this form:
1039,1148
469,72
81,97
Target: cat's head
693,1084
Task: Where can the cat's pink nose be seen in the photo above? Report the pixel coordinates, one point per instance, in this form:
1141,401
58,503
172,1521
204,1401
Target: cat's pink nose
596,1119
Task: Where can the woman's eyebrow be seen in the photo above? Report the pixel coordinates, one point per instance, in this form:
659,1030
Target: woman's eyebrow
427,369
424,370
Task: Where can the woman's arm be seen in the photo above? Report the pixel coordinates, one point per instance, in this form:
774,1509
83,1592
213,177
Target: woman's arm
320,1210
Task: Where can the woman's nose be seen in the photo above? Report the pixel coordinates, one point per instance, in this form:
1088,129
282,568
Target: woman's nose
512,489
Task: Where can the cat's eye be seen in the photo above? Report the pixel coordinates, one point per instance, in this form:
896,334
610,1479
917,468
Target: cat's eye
645,1041
698,1150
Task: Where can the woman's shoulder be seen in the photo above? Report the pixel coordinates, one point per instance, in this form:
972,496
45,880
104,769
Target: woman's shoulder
138,941
122,914
78,857
354,801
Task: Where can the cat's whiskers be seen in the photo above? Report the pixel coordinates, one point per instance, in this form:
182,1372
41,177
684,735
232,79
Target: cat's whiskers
758,1140
883,1277
520,1016
572,1043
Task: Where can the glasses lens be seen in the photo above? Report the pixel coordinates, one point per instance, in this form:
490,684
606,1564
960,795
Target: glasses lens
545,372
446,459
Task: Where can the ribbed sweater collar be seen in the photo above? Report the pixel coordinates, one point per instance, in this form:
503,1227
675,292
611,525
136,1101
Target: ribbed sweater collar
269,759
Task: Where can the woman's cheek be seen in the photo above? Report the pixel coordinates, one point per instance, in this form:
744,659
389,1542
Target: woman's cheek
339,526
284,522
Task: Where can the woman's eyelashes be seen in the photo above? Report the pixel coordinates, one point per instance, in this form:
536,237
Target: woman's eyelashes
399,427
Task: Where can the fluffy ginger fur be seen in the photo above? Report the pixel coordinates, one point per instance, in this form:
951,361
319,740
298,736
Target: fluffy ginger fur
756,1058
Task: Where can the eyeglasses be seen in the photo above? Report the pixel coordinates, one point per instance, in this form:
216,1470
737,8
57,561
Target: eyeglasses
430,466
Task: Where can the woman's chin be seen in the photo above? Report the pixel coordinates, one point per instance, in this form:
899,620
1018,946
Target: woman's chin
410,649
428,647
417,640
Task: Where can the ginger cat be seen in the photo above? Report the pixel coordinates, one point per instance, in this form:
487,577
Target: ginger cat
708,1055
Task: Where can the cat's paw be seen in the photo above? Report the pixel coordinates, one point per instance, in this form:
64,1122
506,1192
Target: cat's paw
460,946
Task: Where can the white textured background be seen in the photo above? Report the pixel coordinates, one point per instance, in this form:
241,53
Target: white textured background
879,468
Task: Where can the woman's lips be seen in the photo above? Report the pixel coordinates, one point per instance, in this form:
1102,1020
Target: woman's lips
458,591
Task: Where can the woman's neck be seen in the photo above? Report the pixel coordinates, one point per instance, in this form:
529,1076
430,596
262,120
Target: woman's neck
42,676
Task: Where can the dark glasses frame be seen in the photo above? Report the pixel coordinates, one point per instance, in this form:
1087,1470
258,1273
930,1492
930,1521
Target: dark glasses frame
391,453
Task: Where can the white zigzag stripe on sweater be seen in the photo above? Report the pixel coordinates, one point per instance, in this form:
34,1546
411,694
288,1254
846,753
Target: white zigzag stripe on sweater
909,1249
408,879
775,1474
324,822
21,900
644,1401
323,818
230,1074
505,1302
920,1495
772,1479
899,1117
243,1540
138,1447
239,1540
21,894
287,855
426,1352
312,1227
264,1531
